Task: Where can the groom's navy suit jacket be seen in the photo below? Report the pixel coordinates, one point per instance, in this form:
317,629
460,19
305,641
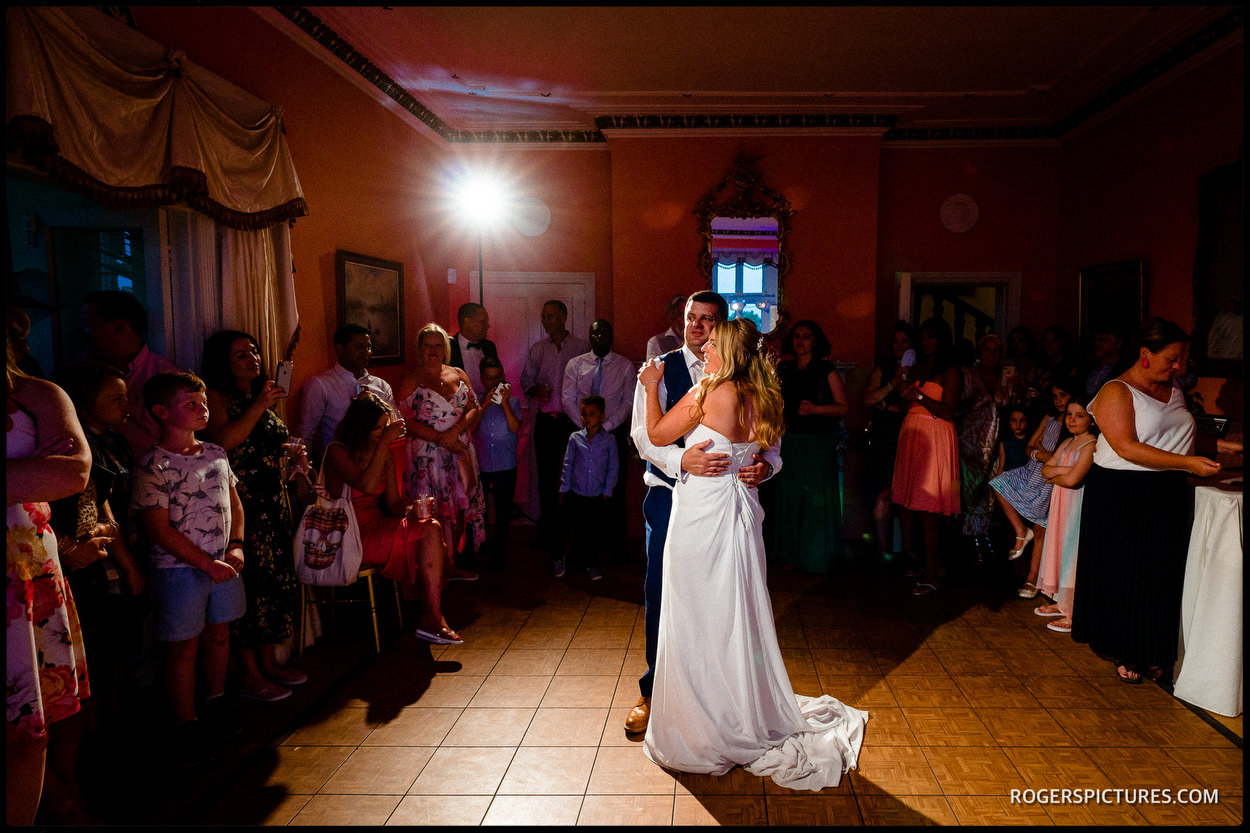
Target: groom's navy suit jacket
676,383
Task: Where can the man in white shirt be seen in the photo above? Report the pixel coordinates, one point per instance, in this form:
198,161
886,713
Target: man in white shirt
327,395
683,369
671,338
613,377
542,379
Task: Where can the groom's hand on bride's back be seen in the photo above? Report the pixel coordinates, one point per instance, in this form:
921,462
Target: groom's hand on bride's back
755,473
698,462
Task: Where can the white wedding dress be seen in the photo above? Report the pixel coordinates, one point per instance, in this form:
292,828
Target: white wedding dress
722,695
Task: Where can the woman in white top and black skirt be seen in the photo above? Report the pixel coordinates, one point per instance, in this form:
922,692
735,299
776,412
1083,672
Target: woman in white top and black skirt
1138,510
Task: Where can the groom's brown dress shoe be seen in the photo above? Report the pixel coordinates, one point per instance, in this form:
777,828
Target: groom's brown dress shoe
638,716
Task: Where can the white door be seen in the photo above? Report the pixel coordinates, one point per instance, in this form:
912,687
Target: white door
514,301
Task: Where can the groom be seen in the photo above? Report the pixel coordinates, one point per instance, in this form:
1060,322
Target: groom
682,369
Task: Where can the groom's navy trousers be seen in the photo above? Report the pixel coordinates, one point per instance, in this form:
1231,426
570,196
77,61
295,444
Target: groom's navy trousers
656,508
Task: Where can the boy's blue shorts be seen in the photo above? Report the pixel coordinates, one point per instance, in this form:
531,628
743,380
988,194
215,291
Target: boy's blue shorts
187,600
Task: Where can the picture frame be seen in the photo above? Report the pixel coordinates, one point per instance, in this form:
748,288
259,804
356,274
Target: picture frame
371,293
1112,297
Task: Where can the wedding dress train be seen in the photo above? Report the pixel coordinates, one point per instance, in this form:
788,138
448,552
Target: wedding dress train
722,694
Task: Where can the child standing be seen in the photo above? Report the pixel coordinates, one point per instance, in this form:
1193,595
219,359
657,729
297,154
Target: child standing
1066,470
1013,444
495,439
586,482
184,492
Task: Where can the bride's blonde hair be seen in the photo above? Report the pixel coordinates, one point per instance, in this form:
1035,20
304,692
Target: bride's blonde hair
746,367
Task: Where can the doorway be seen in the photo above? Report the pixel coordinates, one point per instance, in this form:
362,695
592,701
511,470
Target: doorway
972,303
514,301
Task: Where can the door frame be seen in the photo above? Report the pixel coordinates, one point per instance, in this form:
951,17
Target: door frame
1009,281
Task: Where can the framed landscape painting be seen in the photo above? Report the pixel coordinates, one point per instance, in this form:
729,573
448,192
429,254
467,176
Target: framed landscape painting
371,293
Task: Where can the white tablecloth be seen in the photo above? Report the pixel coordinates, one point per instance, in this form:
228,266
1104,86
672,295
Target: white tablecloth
1209,664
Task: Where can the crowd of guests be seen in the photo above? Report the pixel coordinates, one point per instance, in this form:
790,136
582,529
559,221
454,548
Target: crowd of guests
1088,458
150,506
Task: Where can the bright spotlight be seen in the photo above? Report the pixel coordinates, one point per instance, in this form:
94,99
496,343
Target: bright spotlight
481,199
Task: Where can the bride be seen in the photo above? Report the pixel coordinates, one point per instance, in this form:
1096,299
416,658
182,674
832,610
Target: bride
722,695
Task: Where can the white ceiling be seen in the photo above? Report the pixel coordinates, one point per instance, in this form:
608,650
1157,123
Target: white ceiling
960,67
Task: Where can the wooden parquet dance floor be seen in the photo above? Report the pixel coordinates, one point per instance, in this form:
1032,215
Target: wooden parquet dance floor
974,706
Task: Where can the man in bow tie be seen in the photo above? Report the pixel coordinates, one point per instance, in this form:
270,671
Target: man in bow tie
470,345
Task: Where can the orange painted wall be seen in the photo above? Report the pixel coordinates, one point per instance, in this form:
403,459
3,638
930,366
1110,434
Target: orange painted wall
1016,191
830,182
1131,181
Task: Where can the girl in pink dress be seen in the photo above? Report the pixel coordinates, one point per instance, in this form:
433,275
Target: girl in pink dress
926,466
1066,470
408,550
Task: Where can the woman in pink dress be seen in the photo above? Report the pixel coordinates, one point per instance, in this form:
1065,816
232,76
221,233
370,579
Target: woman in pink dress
926,467
409,551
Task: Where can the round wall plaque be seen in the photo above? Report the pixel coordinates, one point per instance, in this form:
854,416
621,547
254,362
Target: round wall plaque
959,213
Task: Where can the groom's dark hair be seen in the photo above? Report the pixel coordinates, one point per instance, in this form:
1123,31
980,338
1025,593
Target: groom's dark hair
706,296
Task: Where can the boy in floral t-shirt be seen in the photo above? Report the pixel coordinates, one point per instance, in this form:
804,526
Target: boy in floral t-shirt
184,493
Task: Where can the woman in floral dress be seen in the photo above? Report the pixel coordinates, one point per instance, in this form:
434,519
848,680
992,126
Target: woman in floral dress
440,409
45,664
976,423
241,420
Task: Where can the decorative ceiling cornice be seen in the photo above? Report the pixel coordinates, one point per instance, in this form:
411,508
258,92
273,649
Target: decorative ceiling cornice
311,25
775,121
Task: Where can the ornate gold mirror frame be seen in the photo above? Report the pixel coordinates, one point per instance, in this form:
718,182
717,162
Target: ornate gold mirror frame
749,198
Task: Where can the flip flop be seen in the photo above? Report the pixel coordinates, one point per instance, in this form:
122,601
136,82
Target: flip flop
1059,627
1038,610
1128,680
444,637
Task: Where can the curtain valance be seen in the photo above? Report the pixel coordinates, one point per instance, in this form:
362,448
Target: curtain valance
132,124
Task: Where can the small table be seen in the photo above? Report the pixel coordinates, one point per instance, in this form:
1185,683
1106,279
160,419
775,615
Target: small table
1209,661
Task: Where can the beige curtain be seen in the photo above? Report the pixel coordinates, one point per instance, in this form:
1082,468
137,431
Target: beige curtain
132,124
225,279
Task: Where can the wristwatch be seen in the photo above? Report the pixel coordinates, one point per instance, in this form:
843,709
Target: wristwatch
919,397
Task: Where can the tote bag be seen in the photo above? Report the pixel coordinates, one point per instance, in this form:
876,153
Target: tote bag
328,551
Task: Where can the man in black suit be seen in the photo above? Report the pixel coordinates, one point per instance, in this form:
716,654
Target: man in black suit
470,345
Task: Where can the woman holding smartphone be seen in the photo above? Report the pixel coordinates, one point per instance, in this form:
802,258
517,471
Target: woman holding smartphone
242,421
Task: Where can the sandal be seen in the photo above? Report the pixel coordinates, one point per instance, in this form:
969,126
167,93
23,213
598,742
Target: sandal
923,588
1028,591
1154,674
444,636
1063,625
1048,610
1129,675
1019,550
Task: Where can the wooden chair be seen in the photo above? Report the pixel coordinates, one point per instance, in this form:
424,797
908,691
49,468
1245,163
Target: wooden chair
366,573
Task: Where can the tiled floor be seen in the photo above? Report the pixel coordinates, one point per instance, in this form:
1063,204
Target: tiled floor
970,698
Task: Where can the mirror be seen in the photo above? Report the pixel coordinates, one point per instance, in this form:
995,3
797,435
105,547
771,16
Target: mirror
744,256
